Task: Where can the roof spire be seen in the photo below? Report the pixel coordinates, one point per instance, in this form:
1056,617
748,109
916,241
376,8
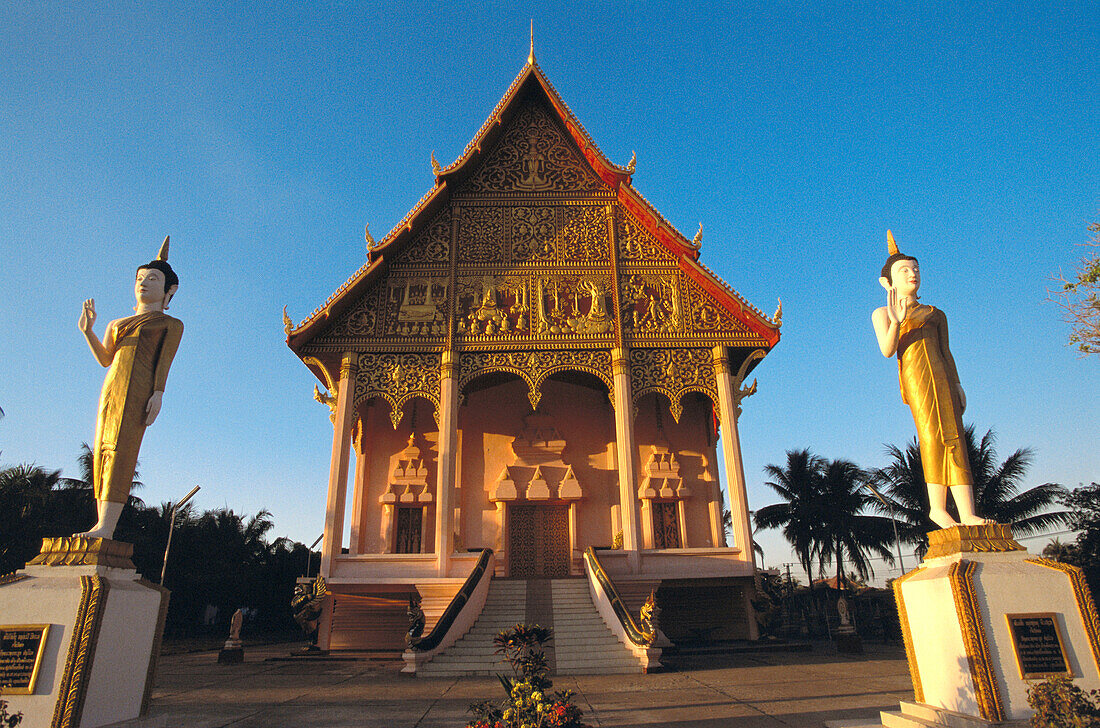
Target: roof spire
531,54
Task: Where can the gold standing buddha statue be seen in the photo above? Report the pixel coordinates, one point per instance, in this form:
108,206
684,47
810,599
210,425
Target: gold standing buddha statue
138,351
917,334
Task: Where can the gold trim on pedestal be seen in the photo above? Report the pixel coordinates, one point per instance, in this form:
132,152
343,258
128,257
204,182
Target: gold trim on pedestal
84,551
907,636
989,538
78,664
974,639
1086,607
12,578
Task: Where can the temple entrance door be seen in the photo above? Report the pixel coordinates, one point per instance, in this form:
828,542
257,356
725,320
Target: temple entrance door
538,541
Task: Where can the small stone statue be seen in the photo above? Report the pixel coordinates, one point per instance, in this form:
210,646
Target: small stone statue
917,334
306,607
233,650
138,352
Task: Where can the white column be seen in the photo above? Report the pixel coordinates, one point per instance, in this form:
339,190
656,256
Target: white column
359,485
730,395
445,464
626,450
729,407
338,465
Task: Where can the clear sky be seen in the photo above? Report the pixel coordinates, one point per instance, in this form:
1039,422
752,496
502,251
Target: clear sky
263,137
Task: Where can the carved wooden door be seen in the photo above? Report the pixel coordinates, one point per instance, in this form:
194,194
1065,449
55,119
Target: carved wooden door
538,541
666,525
409,527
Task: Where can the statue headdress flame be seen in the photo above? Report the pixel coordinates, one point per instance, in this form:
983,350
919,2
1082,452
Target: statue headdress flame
161,263
894,255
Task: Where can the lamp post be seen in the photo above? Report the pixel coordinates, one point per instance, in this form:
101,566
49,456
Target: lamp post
171,528
309,552
893,522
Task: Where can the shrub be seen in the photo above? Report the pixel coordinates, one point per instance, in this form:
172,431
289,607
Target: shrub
1058,703
528,703
7,720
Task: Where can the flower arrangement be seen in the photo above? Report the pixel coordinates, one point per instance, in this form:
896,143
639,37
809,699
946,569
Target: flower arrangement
529,703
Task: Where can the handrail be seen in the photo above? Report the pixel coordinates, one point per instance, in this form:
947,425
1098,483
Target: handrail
439,631
633,631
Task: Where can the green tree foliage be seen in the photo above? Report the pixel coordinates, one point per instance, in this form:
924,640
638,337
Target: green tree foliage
997,490
824,514
1083,504
218,558
1079,298
24,500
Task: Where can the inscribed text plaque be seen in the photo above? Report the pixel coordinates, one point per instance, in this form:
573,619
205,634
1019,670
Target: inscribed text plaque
1038,644
21,650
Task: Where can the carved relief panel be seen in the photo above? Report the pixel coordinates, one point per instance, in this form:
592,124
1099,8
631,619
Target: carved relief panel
673,373
534,155
545,304
653,304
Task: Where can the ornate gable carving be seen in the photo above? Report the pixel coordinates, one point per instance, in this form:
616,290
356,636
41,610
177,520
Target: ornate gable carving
432,245
710,319
397,378
636,245
534,155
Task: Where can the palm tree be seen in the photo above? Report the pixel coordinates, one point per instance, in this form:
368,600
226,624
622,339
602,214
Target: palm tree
847,531
24,497
824,515
799,516
997,493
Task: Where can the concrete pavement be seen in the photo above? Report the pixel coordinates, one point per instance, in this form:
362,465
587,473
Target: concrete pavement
747,690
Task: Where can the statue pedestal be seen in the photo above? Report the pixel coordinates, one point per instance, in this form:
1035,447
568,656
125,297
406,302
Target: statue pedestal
980,616
105,625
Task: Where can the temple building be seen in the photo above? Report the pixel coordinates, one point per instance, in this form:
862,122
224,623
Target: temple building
534,361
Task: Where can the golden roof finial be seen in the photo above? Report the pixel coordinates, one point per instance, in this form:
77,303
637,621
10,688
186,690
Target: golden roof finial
288,325
163,254
891,246
435,164
371,242
632,163
531,54
697,241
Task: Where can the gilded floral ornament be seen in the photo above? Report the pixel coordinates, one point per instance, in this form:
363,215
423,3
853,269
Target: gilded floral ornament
535,367
398,378
672,373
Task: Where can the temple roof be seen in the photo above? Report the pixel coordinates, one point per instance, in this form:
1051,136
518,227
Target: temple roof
616,178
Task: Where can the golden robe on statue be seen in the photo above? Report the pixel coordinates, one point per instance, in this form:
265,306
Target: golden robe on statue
144,347
928,378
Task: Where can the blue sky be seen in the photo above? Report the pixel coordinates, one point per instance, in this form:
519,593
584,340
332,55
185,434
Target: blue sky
263,137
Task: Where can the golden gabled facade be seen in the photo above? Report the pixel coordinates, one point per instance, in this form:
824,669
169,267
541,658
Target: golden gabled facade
533,361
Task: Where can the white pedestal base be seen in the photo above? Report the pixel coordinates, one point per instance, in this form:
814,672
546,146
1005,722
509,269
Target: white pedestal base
953,612
105,629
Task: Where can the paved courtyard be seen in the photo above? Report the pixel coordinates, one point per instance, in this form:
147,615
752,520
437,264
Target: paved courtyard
748,690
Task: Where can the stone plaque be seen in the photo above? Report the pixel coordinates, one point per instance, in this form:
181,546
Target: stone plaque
1038,644
21,650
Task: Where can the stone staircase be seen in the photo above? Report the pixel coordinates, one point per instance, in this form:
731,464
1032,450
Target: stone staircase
505,606
582,643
